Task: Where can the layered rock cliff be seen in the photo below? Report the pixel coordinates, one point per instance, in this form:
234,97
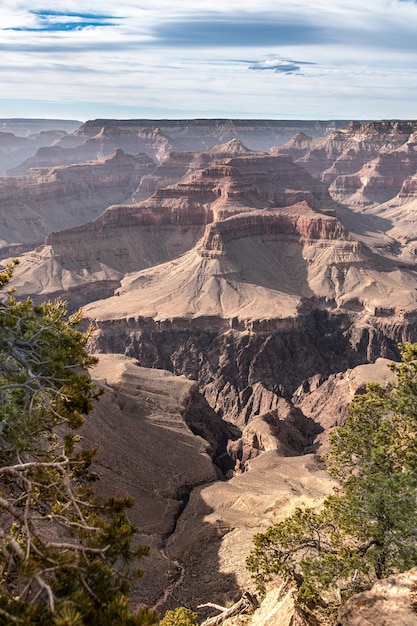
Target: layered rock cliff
345,151
157,138
265,299
130,237
45,200
178,164
378,180
78,148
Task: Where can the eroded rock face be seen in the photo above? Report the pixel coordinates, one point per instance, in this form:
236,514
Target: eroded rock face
325,400
283,428
16,147
130,237
48,199
157,440
378,180
390,601
371,169
177,164
244,373
347,150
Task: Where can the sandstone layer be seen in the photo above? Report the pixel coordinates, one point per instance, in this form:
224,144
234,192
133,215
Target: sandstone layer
89,260
46,200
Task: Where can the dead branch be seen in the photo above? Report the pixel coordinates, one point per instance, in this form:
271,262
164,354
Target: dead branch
246,604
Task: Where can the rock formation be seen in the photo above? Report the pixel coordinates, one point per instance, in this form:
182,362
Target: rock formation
345,151
159,441
130,237
267,298
45,199
390,601
15,148
158,138
378,180
177,164
77,148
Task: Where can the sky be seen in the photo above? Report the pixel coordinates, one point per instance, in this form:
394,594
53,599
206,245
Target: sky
261,59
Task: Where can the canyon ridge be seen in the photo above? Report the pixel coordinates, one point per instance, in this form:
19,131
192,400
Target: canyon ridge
244,279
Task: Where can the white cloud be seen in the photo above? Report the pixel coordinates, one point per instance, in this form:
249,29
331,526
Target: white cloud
327,60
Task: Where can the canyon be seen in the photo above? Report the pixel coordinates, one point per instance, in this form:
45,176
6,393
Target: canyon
244,280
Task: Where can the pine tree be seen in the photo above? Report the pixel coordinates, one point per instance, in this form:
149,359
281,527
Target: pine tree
365,530
67,557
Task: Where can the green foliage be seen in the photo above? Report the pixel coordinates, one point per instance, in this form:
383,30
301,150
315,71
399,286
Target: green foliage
366,529
180,617
67,557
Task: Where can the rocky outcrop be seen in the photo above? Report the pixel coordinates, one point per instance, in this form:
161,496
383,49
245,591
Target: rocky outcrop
378,180
176,165
49,199
325,400
280,181
389,601
243,374
277,180
346,151
278,608
370,168
274,425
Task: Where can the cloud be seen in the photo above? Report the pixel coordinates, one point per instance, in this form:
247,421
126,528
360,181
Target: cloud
279,65
237,30
64,21
190,59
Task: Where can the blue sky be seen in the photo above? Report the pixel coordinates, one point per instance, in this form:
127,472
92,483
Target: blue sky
277,59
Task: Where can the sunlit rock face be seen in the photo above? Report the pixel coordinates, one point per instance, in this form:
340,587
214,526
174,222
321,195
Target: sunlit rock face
389,601
346,151
133,236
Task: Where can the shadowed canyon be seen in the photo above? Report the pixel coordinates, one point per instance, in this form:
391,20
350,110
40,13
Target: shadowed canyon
244,279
